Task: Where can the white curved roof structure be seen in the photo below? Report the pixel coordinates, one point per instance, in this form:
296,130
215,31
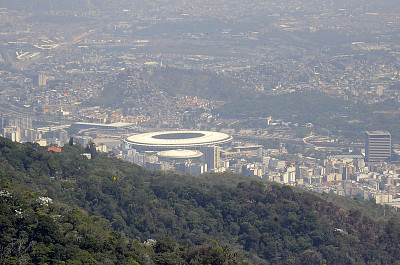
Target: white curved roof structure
168,140
179,154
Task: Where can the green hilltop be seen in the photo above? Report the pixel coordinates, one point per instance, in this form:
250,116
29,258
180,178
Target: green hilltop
36,230
264,222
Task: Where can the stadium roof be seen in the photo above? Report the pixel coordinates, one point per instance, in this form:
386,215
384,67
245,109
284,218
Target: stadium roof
179,154
167,140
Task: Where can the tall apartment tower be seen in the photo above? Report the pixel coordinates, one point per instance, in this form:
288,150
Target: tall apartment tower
212,156
42,80
378,146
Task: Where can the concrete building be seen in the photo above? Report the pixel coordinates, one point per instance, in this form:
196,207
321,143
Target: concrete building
211,156
195,169
23,123
62,135
30,135
276,164
42,80
378,146
82,140
13,133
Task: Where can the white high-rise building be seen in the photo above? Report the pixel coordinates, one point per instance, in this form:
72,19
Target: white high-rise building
13,133
30,135
42,80
212,156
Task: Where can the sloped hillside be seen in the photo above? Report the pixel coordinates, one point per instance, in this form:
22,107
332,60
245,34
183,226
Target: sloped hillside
38,230
266,222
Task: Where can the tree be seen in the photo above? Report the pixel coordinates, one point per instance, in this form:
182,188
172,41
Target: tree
71,141
91,148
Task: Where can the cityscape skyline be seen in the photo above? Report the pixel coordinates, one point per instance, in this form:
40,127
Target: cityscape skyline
295,83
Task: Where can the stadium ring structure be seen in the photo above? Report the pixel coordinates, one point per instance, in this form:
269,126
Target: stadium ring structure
169,140
179,154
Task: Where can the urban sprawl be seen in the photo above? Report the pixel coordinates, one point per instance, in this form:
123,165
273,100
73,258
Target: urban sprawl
102,75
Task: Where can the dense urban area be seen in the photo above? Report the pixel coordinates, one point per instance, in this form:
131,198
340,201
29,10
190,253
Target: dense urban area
299,86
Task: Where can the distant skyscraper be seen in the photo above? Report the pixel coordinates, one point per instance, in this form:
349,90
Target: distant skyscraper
30,135
212,156
62,135
378,146
13,133
42,80
2,123
23,123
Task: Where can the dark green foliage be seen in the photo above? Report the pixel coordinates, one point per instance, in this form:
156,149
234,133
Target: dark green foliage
169,252
269,223
35,232
91,149
71,141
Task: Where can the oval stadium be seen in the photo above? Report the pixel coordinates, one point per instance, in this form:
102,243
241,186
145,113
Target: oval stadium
179,154
168,140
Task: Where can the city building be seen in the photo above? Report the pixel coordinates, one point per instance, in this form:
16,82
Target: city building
195,169
42,80
212,156
378,146
23,123
13,133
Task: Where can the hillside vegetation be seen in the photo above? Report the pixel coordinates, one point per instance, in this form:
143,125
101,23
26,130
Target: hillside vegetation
266,222
36,230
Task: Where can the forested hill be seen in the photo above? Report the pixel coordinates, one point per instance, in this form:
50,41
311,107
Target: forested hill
265,222
37,230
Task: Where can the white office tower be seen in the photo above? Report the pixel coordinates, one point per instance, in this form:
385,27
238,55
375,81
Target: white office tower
82,140
102,148
30,135
265,160
61,135
23,123
42,80
12,133
276,164
129,155
285,177
291,174
225,164
212,156
195,169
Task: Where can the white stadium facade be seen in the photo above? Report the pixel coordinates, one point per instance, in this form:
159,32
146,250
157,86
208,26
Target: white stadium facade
179,154
171,140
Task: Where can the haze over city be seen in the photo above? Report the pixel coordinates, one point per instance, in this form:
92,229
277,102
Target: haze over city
302,93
